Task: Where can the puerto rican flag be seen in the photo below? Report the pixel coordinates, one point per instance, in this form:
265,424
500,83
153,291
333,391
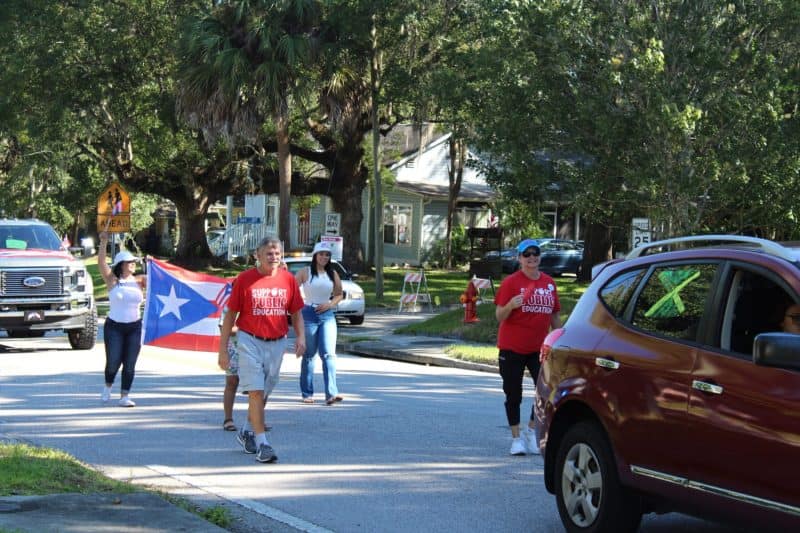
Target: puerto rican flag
182,307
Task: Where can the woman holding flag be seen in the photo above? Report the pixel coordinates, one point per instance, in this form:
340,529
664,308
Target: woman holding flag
122,332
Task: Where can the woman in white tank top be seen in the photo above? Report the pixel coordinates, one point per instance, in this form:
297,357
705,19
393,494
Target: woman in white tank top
322,292
122,332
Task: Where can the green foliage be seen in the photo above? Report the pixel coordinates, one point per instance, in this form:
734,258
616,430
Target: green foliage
459,246
218,515
28,470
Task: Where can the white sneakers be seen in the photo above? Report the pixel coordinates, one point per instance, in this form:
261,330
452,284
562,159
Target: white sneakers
531,445
125,401
525,443
517,446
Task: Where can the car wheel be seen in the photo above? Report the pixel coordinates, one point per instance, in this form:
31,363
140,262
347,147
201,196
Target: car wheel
588,492
84,339
356,320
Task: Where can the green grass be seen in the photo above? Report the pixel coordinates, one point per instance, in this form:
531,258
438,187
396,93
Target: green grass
445,286
34,471
451,324
29,470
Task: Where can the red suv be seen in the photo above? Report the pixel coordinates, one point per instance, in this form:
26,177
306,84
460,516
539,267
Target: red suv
674,386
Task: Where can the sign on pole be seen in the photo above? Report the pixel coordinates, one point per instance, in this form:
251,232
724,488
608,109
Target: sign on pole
332,222
640,232
337,245
114,205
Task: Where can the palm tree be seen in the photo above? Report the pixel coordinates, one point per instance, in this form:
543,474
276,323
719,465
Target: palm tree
241,63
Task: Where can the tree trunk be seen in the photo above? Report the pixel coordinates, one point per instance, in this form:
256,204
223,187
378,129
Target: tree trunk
597,249
192,250
284,175
455,173
350,178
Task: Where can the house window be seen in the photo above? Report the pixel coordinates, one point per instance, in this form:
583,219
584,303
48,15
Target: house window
397,224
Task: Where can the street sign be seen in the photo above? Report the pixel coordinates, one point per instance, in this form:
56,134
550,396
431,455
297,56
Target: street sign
332,223
640,232
337,245
114,207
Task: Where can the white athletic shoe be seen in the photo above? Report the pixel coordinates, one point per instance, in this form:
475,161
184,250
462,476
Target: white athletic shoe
531,445
517,446
125,401
106,394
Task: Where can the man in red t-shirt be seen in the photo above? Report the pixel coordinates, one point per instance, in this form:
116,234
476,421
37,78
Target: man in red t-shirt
260,301
527,307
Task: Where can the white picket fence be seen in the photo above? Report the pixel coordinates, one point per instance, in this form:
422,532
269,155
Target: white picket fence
241,240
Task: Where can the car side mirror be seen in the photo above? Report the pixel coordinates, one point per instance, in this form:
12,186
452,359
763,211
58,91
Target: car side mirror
352,276
780,350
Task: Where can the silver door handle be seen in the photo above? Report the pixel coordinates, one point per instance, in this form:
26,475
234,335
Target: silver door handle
704,386
606,363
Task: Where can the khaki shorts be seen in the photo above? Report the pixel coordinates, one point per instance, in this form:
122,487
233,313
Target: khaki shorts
259,362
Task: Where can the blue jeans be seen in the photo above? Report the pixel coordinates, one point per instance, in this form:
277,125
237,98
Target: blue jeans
123,342
320,337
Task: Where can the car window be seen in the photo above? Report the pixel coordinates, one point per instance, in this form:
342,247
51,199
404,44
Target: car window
673,299
617,292
26,237
755,304
295,266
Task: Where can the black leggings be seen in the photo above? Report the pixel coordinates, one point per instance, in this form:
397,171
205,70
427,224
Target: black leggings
512,370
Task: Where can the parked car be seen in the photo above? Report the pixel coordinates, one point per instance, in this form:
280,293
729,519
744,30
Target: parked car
43,287
352,305
216,241
560,256
672,388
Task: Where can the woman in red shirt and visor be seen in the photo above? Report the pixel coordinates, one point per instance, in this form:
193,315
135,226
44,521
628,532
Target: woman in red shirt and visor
527,307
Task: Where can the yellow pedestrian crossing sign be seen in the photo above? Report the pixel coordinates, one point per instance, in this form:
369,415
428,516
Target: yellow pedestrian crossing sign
114,209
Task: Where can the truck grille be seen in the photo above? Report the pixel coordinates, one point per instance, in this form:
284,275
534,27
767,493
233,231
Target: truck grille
12,283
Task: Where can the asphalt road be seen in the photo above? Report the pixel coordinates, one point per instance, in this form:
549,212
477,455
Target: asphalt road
411,448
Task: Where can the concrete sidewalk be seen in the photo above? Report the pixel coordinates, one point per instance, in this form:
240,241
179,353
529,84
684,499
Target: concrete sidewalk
143,512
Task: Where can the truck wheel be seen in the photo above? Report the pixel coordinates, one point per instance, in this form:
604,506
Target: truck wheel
356,320
588,492
84,339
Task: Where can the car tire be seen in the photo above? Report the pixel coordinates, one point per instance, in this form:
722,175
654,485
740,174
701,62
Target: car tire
356,320
84,339
589,495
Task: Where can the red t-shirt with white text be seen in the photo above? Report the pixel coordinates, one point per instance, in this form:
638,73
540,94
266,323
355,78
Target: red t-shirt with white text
526,327
263,302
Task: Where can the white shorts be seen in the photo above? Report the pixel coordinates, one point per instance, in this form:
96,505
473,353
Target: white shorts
259,362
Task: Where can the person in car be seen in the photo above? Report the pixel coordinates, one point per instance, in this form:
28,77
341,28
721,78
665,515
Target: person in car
122,332
527,307
791,319
322,291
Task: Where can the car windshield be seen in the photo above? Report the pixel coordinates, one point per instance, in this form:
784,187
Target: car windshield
294,266
28,237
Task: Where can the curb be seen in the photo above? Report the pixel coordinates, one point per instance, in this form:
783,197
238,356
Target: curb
412,355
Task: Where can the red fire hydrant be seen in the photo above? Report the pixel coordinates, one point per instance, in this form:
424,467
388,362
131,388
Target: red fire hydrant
470,299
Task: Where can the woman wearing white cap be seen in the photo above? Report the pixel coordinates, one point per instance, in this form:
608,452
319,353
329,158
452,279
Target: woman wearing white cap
122,331
322,292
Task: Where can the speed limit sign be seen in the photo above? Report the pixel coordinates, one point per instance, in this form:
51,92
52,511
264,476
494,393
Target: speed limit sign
640,232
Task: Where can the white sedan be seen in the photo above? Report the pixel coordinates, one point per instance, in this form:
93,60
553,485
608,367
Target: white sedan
352,305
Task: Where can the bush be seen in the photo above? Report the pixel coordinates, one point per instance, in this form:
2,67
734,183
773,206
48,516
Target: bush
459,248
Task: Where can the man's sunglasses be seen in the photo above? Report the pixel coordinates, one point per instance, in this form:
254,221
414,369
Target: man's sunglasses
528,254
